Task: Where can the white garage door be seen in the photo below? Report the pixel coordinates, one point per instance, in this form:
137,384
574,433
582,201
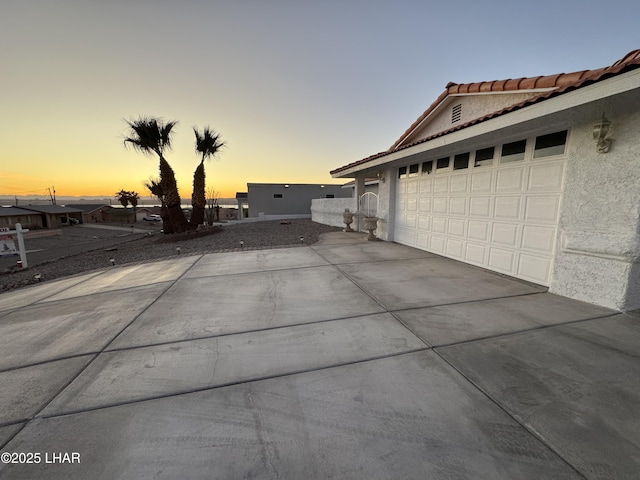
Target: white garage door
496,207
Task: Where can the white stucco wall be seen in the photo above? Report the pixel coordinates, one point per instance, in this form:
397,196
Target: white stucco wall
386,204
599,246
328,211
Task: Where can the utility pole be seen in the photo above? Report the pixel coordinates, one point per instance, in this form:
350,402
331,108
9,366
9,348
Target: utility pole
52,196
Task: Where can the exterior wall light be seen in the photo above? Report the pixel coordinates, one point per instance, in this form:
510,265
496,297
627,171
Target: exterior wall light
112,261
380,176
600,132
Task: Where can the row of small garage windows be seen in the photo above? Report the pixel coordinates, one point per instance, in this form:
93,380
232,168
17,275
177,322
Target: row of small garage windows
545,146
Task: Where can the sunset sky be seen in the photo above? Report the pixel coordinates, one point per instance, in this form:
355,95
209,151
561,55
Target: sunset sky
296,87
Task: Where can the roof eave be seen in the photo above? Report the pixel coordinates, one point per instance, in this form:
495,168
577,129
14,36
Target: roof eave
586,94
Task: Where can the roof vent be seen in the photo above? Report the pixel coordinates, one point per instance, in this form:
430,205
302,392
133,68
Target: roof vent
456,113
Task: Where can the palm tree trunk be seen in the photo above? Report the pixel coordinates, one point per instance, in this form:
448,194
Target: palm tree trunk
198,201
172,197
167,227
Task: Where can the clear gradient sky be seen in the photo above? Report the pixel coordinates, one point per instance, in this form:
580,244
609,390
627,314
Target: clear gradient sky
295,87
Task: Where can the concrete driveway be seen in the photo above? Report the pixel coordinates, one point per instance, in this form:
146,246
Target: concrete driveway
347,359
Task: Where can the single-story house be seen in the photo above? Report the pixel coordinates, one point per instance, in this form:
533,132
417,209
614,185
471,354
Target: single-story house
53,216
284,199
120,214
142,212
9,216
92,212
537,178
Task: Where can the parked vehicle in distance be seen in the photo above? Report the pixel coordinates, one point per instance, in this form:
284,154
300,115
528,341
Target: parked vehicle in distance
152,218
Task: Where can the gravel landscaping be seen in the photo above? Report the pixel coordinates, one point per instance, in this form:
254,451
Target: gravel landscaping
82,249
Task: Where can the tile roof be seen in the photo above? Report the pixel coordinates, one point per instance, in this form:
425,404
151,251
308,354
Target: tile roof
554,85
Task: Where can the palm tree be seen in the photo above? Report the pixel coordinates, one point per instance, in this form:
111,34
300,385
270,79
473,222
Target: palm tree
151,135
208,144
153,185
123,197
133,200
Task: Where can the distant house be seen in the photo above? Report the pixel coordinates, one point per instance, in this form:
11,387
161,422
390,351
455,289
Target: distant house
537,178
280,199
9,216
92,212
120,214
53,216
142,212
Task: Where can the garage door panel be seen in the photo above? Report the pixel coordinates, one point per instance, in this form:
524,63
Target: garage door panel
456,227
510,180
440,204
475,254
454,248
481,182
507,208
501,260
542,209
422,240
406,236
459,184
538,238
437,244
425,186
480,206
505,234
478,230
503,217
441,185
546,177
424,222
458,206
424,204
439,224
401,203
534,268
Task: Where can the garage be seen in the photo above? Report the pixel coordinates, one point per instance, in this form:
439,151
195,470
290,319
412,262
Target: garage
535,177
496,207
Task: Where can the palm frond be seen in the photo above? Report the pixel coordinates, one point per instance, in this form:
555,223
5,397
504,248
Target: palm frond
149,134
209,143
